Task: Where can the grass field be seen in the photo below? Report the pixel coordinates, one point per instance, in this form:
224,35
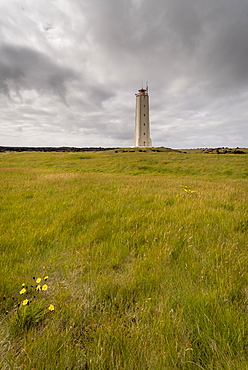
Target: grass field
144,256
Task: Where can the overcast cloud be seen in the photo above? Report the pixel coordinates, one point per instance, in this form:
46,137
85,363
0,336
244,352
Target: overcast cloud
69,71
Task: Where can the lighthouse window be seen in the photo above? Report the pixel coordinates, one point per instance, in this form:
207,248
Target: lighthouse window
144,115
144,105
144,124
144,133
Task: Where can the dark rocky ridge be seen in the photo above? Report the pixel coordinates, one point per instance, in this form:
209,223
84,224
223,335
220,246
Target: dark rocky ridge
51,149
223,151
122,150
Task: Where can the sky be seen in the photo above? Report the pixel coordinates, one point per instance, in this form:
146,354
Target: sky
70,69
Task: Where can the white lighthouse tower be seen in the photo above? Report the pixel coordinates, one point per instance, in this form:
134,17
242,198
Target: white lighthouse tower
142,123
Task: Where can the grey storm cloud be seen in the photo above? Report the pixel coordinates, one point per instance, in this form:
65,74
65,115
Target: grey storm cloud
191,37
72,68
22,68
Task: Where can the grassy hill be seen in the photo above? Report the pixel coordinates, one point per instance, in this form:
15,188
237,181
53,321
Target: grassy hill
142,257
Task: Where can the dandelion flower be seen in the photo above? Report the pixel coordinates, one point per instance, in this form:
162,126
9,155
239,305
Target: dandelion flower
23,284
38,280
23,291
45,278
38,287
25,302
51,307
44,287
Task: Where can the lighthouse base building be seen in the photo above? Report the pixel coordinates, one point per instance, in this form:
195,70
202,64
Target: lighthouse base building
142,123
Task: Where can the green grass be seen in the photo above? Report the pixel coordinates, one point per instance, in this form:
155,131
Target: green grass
146,255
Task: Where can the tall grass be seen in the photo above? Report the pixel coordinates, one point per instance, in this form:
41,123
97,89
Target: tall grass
146,255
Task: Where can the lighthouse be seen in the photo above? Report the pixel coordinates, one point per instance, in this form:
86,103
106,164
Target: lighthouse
142,123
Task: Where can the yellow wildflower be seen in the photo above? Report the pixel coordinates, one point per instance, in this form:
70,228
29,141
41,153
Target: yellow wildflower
45,278
23,291
44,287
38,280
38,287
51,307
25,302
23,284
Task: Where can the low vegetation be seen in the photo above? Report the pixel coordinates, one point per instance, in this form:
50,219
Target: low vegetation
123,260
